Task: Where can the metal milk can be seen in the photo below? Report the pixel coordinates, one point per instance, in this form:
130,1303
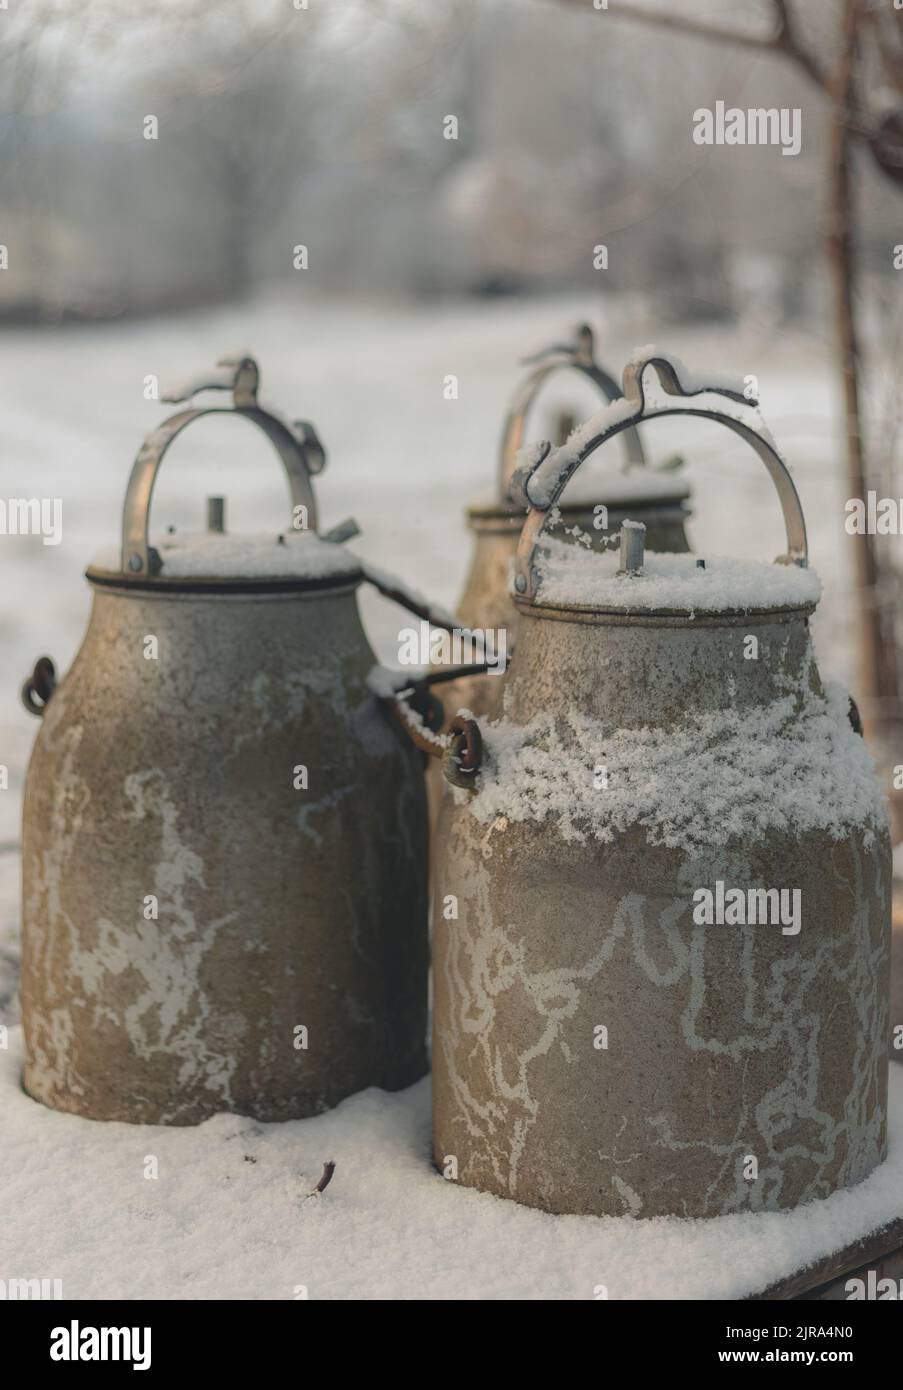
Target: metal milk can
662,901
224,830
657,499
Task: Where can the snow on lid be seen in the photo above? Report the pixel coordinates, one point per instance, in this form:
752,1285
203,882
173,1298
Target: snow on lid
212,555
716,778
570,576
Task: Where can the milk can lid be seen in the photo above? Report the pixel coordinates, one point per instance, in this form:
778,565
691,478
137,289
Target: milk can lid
569,577
211,560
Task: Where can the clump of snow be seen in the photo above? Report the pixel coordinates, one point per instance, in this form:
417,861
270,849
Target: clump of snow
716,778
214,555
566,575
229,1215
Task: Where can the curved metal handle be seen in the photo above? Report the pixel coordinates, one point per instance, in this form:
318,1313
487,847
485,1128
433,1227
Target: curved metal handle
578,356
297,445
543,472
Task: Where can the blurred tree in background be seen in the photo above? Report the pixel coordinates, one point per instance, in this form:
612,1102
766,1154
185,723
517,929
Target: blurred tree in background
324,126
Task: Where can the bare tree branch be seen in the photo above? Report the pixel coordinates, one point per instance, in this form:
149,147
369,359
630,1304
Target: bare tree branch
882,134
843,80
789,44
887,37
700,28
784,39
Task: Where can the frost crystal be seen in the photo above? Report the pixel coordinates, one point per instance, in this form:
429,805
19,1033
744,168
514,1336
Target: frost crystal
212,555
589,579
713,779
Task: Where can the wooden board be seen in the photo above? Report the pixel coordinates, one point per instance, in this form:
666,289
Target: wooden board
881,1251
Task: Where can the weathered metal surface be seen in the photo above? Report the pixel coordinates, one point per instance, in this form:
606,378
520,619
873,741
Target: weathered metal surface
278,907
724,1044
224,841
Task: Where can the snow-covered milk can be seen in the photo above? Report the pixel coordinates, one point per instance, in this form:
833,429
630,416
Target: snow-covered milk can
662,913
224,829
658,499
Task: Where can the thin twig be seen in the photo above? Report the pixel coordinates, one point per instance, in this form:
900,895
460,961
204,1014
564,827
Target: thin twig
325,1179
699,28
783,42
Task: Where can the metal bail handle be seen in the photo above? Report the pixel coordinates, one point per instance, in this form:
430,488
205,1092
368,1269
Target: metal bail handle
578,356
297,445
541,478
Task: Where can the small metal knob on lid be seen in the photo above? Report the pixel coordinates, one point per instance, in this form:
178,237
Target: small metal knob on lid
633,548
216,514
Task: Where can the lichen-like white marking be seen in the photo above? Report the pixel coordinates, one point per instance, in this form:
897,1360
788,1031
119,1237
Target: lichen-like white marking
484,967
168,1010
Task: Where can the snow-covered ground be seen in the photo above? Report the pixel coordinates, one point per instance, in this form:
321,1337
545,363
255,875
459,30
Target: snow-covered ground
226,1215
402,460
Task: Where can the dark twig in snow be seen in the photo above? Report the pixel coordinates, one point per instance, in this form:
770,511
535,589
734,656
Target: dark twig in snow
325,1179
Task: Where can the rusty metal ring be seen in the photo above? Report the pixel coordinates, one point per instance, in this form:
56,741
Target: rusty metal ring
465,744
41,683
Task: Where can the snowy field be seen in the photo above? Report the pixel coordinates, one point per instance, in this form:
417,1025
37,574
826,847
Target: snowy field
228,1215
402,460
